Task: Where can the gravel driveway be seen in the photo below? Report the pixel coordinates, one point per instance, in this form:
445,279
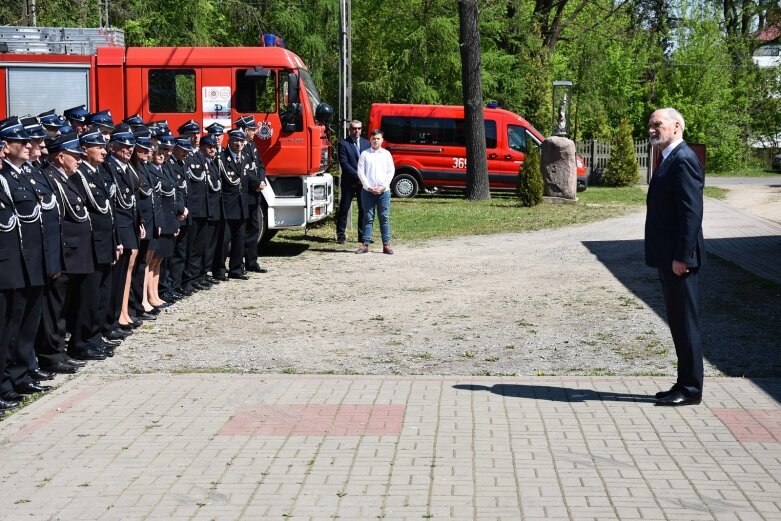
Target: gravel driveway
577,300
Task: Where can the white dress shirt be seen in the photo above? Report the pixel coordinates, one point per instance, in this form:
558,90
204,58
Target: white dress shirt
376,168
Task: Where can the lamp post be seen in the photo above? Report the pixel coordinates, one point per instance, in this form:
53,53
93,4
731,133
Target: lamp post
562,105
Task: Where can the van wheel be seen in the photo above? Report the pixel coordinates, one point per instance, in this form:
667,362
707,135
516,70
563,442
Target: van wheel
404,186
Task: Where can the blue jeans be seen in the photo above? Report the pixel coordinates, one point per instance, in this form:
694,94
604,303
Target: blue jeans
381,204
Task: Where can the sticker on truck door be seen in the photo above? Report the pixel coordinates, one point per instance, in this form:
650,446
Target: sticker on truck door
217,106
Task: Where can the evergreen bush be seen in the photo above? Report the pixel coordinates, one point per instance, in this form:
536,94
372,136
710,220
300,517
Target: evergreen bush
530,183
622,168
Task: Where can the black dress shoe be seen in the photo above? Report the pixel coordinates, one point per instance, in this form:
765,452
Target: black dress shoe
112,343
39,375
176,295
147,316
257,268
163,306
168,297
31,388
153,311
88,354
119,334
105,349
75,363
188,291
137,323
12,396
205,282
212,280
677,398
62,368
222,277
7,404
662,394
239,276
340,240
126,327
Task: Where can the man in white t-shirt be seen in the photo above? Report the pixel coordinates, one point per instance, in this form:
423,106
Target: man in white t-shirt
375,171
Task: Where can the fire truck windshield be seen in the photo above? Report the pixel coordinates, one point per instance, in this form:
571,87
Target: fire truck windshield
311,89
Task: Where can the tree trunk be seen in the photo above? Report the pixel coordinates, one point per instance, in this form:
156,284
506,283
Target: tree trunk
471,79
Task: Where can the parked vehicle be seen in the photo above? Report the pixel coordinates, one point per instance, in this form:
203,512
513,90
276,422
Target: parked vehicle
777,162
428,147
43,68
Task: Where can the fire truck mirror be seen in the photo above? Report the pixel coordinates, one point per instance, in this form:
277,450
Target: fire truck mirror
293,95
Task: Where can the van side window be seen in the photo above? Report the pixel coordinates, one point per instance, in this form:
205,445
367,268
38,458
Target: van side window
171,91
431,131
516,137
256,95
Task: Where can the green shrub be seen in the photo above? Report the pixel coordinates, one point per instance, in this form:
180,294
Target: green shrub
530,183
622,168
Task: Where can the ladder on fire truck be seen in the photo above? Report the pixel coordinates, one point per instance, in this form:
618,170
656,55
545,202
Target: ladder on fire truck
58,40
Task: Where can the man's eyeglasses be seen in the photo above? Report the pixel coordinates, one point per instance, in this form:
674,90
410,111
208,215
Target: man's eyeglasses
356,128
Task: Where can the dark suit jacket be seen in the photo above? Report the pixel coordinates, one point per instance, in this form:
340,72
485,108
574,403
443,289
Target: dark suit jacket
26,200
47,193
11,261
149,207
235,198
126,219
92,188
78,251
348,157
673,225
195,166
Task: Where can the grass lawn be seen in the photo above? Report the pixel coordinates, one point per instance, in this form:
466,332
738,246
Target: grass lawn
450,215
751,171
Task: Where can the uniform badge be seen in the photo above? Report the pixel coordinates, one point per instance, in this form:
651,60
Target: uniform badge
265,131
32,181
78,199
78,209
92,185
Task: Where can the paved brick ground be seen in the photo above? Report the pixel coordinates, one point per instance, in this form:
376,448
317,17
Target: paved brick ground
325,447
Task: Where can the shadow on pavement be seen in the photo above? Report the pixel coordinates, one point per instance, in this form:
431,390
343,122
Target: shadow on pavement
740,312
555,394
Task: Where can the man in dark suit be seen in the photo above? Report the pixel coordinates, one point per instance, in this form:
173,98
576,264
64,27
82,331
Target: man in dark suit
350,186
257,182
674,245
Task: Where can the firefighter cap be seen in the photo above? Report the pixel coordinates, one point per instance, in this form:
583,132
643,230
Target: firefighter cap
144,142
246,122
123,137
191,127
166,140
92,138
237,134
52,119
102,118
184,144
215,129
12,129
78,114
64,143
33,127
208,141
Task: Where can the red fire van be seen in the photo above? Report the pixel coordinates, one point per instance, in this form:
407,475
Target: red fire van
427,143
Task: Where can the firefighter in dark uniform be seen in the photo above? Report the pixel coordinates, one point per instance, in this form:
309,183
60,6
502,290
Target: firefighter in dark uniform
52,122
50,338
12,279
117,171
165,190
151,216
96,195
235,168
102,122
78,251
27,301
256,184
196,193
178,261
213,254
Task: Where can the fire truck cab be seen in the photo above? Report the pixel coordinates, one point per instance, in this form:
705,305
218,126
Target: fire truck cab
45,68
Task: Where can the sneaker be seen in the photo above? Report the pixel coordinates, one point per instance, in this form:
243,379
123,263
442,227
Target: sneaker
387,249
363,248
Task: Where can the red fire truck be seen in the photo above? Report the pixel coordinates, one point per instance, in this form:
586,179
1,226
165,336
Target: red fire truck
58,68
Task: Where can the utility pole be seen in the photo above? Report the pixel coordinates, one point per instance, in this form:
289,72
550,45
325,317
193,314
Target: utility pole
345,65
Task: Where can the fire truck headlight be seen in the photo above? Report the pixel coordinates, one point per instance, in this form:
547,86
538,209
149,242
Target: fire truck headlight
319,193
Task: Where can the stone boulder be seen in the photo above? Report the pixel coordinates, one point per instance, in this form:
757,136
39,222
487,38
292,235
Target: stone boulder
559,169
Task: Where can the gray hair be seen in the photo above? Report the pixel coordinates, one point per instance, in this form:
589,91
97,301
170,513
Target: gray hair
356,122
671,113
